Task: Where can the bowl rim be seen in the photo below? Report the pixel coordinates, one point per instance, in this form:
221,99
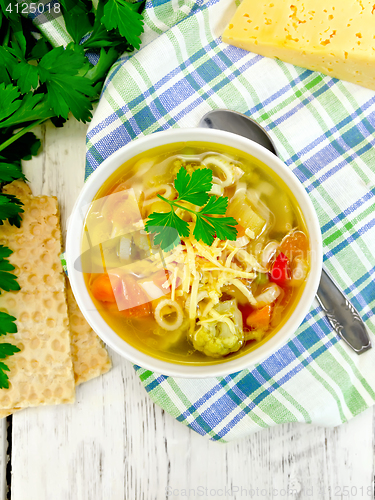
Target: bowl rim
85,303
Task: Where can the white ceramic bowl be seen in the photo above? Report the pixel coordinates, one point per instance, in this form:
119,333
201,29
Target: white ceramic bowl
73,252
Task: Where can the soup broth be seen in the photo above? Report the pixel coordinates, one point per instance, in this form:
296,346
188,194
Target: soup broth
195,303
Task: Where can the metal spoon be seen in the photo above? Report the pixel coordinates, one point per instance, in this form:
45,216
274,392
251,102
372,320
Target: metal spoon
341,314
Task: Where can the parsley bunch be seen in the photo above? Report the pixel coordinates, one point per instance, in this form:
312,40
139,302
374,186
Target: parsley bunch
209,223
40,82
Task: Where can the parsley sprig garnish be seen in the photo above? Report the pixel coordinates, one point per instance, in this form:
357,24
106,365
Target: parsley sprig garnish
194,189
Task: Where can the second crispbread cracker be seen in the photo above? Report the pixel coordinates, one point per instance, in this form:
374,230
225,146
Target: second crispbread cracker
42,372
90,358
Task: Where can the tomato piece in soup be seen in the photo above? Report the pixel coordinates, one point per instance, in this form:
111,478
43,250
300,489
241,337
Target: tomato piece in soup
281,272
132,300
161,277
246,310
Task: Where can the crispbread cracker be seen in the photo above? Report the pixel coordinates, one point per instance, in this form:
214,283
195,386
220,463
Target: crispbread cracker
41,310
37,244
42,372
90,358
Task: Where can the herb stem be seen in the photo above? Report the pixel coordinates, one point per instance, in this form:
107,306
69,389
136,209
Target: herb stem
20,133
6,37
174,204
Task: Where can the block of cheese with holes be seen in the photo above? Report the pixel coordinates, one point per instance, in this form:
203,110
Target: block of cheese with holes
335,37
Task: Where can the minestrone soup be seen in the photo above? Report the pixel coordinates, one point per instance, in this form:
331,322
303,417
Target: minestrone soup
193,302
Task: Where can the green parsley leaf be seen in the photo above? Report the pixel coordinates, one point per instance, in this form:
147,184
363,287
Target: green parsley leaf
100,70
8,281
124,16
9,102
19,43
7,350
7,324
217,206
206,227
204,231
40,49
10,209
4,380
5,265
33,107
7,63
68,94
66,90
224,227
76,17
100,37
5,252
167,237
166,228
193,188
10,172
26,75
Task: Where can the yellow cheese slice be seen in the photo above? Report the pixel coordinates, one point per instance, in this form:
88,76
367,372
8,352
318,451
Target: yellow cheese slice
335,37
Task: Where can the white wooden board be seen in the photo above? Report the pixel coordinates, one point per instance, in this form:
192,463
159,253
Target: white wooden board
3,459
115,444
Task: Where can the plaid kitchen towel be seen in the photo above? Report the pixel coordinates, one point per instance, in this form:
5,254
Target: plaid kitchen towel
323,129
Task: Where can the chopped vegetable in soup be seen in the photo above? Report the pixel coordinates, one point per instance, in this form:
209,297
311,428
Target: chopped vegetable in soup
194,253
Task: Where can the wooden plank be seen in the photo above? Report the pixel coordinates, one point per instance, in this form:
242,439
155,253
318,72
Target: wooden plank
293,461
3,458
130,444
349,452
114,443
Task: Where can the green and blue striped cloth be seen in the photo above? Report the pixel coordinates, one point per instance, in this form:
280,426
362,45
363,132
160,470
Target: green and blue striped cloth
324,130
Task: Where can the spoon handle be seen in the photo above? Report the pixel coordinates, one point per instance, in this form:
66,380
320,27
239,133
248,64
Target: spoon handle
342,315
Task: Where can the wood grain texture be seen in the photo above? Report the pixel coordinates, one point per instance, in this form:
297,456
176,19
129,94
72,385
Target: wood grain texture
115,444
3,459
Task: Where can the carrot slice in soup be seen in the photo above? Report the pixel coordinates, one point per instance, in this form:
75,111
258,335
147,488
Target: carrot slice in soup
240,231
296,244
102,289
260,319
